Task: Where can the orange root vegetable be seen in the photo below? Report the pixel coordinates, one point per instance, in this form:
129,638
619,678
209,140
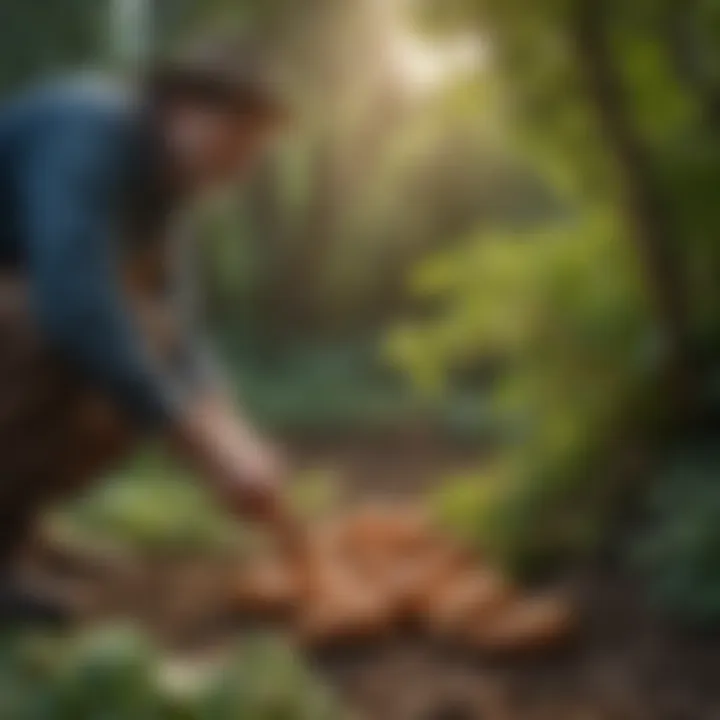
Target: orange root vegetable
356,577
339,607
418,583
335,620
475,597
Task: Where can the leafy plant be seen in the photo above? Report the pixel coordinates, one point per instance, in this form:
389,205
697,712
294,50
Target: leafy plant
678,551
116,673
153,507
561,313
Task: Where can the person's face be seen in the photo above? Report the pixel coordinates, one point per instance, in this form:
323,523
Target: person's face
215,148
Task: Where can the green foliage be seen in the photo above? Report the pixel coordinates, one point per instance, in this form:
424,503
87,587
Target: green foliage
678,551
266,681
561,312
49,37
116,673
108,673
153,507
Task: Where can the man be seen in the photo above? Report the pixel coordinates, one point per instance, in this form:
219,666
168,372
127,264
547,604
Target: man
91,182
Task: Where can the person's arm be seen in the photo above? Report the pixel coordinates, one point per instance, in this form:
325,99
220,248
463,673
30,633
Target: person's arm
204,381
70,203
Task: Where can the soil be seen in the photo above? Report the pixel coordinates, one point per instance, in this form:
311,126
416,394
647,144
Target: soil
629,664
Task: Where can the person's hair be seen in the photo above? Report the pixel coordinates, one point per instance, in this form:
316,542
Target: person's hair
232,75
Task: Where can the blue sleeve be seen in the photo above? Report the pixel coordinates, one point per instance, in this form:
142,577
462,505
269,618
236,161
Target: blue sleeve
71,211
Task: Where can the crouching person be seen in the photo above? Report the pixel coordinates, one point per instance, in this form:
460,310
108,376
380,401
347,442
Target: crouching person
93,178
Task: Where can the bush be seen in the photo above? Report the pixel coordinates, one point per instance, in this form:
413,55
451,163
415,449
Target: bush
117,674
678,552
561,312
153,507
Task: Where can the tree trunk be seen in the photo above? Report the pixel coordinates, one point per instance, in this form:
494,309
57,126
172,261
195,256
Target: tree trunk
645,207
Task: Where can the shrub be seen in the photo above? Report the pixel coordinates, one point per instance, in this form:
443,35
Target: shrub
678,551
115,673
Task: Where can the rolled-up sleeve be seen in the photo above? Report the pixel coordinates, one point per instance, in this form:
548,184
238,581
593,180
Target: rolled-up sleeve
70,209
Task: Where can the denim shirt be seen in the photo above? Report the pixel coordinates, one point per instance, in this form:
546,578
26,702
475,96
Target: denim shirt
68,217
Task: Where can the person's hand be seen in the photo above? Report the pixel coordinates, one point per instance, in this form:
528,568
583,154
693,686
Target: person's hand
244,471
248,474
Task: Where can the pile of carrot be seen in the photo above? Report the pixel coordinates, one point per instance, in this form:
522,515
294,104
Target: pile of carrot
361,575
